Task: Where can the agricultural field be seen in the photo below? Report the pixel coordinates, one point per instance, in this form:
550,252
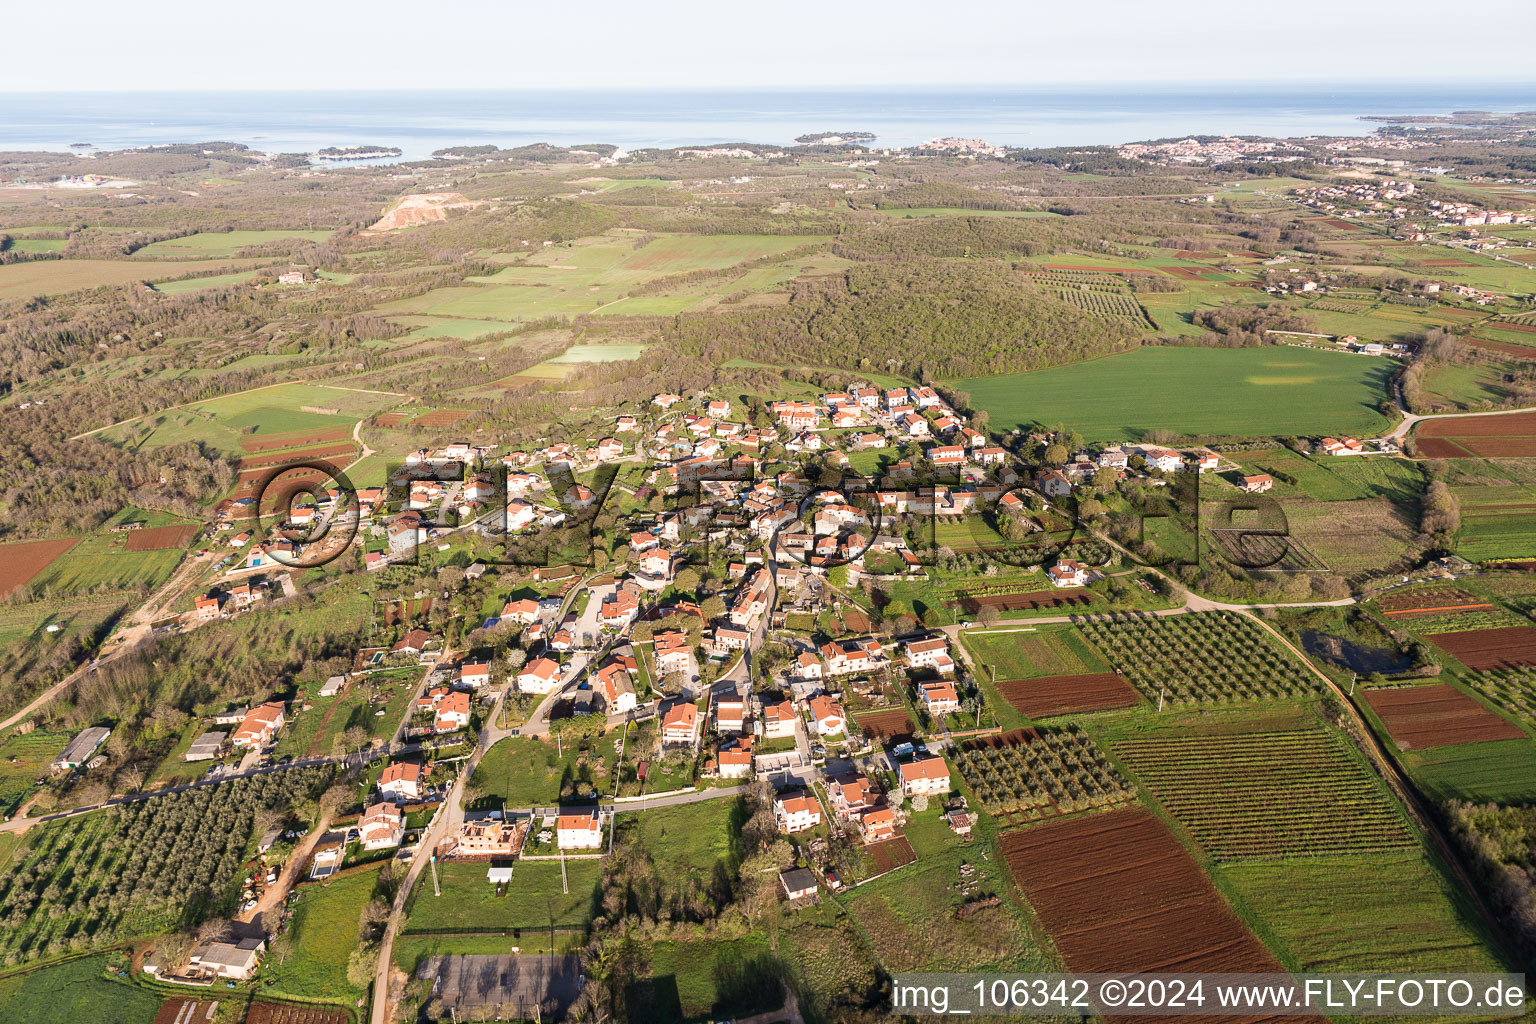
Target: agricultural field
1032,653
1490,436
1281,794
1502,772
214,244
1116,892
1496,522
1202,658
1362,912
226,423
1514,690
323,933
1482,650
1352,536
1043,697
108,560
914,920
197,284
1032,774
533,900
75,992
1248,392
55,277
21,562
704,980
1436,715
1411,602
886,727
24,758
596,275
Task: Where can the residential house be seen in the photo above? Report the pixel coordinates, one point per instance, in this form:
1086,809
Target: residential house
779,720
734,758
1068,573
932,652
234,961
828,716
614,682
877,825
580,831
672,652
797,812
381,827
927,776
473,675
730,715
1258,483
680,724
541,676
940,698
260,726
401,782
452,713
850,796
1053,483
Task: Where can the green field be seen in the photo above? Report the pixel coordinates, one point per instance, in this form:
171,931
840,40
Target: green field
1048,651
706,980
690,837
533,900
55,277
1360,913
1245,392
1503,772
102,561
75,992
527,772
324,930
594,273
197,284
1496,522
221,422
210,244
23,759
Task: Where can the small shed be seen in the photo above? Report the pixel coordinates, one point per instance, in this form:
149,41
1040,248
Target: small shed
798,883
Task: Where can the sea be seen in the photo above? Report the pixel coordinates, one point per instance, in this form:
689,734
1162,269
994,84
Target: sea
420,121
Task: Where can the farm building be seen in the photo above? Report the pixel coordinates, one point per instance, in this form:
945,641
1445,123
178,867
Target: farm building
80,749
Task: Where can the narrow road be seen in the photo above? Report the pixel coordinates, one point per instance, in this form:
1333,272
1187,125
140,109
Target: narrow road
1409,419
278,891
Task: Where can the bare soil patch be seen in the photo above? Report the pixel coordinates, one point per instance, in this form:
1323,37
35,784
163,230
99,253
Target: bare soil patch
443,417
282,1013
19,563
1488,649
1069,597
160,538
889,855
1437,716
888,726
1060,695
273,442
1118,893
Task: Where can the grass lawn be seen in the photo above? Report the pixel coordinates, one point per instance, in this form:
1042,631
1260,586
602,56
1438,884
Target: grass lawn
527,772
1496,522
1503,772
197,284
221,422
75,992
23,760
693,837
1371,912
534,899
909,919
1244,392
707,981
324,932
1351,536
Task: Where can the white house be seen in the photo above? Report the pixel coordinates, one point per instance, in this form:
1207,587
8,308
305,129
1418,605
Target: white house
582,831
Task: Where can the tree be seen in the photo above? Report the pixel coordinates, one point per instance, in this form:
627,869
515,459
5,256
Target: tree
713,607
517,657
1056,454
920,803
687,580
215,929
361,966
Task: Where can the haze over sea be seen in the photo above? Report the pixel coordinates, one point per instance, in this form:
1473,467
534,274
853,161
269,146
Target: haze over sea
419,122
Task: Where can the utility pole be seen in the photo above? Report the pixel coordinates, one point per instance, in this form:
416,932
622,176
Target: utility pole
1160,691
436,889
1352,677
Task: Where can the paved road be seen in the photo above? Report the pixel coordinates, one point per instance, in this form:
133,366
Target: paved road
1409,419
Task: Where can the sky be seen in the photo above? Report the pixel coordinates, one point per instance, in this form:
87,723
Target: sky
90,45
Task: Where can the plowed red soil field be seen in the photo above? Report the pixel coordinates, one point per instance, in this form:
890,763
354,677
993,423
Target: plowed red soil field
390,419
1437,716
1060,695
1518,351
1487,649
1118,893
443,418
1506,325
1435,599
1031,599
889,855
1447,263
885,726
274,442
186,1011
279,1013
1098,270
1441,448
1515,424
20,562
309,454
160,538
